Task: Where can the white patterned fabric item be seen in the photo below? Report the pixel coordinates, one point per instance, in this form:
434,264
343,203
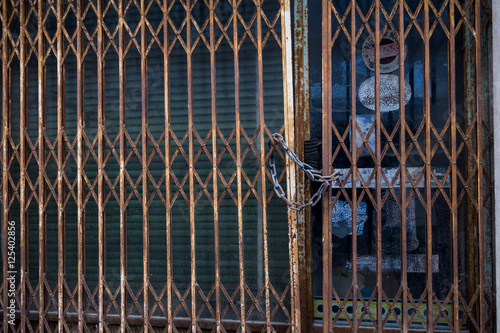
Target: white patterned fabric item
342,218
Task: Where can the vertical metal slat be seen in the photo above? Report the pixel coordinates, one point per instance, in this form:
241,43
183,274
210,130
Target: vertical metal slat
168,194
479,162
123,156
453,183
80,168
61,152
428,170
291,172
239,166
354,152
403,170
100,163
215,174
145,187
327,166
23,128
189,50
6,124
378,180
42,123
262,126
302,133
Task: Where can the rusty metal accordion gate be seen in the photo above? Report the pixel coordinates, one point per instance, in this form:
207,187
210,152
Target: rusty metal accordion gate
134,174
406,115
135,190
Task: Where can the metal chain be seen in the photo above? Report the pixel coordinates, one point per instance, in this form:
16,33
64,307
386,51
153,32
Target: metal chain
313,174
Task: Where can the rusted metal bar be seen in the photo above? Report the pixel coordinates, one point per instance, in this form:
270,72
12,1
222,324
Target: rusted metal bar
123,156
453,183
428,169
291,173
100,163
469,115
302,133
23,129
61,152
239,162
145,155
262,136
80,166
354,152
326,92
168,194
479,163
42,123
189,49
403,170
495,151
215,173
6,124
378,180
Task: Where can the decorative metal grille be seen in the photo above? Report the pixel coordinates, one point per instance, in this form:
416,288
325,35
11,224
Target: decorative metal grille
134,153
429,165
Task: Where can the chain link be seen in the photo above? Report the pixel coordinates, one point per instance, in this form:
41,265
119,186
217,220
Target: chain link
313,174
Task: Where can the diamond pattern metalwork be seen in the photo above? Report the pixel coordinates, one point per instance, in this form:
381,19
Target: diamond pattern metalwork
215,25
97,35
427,141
